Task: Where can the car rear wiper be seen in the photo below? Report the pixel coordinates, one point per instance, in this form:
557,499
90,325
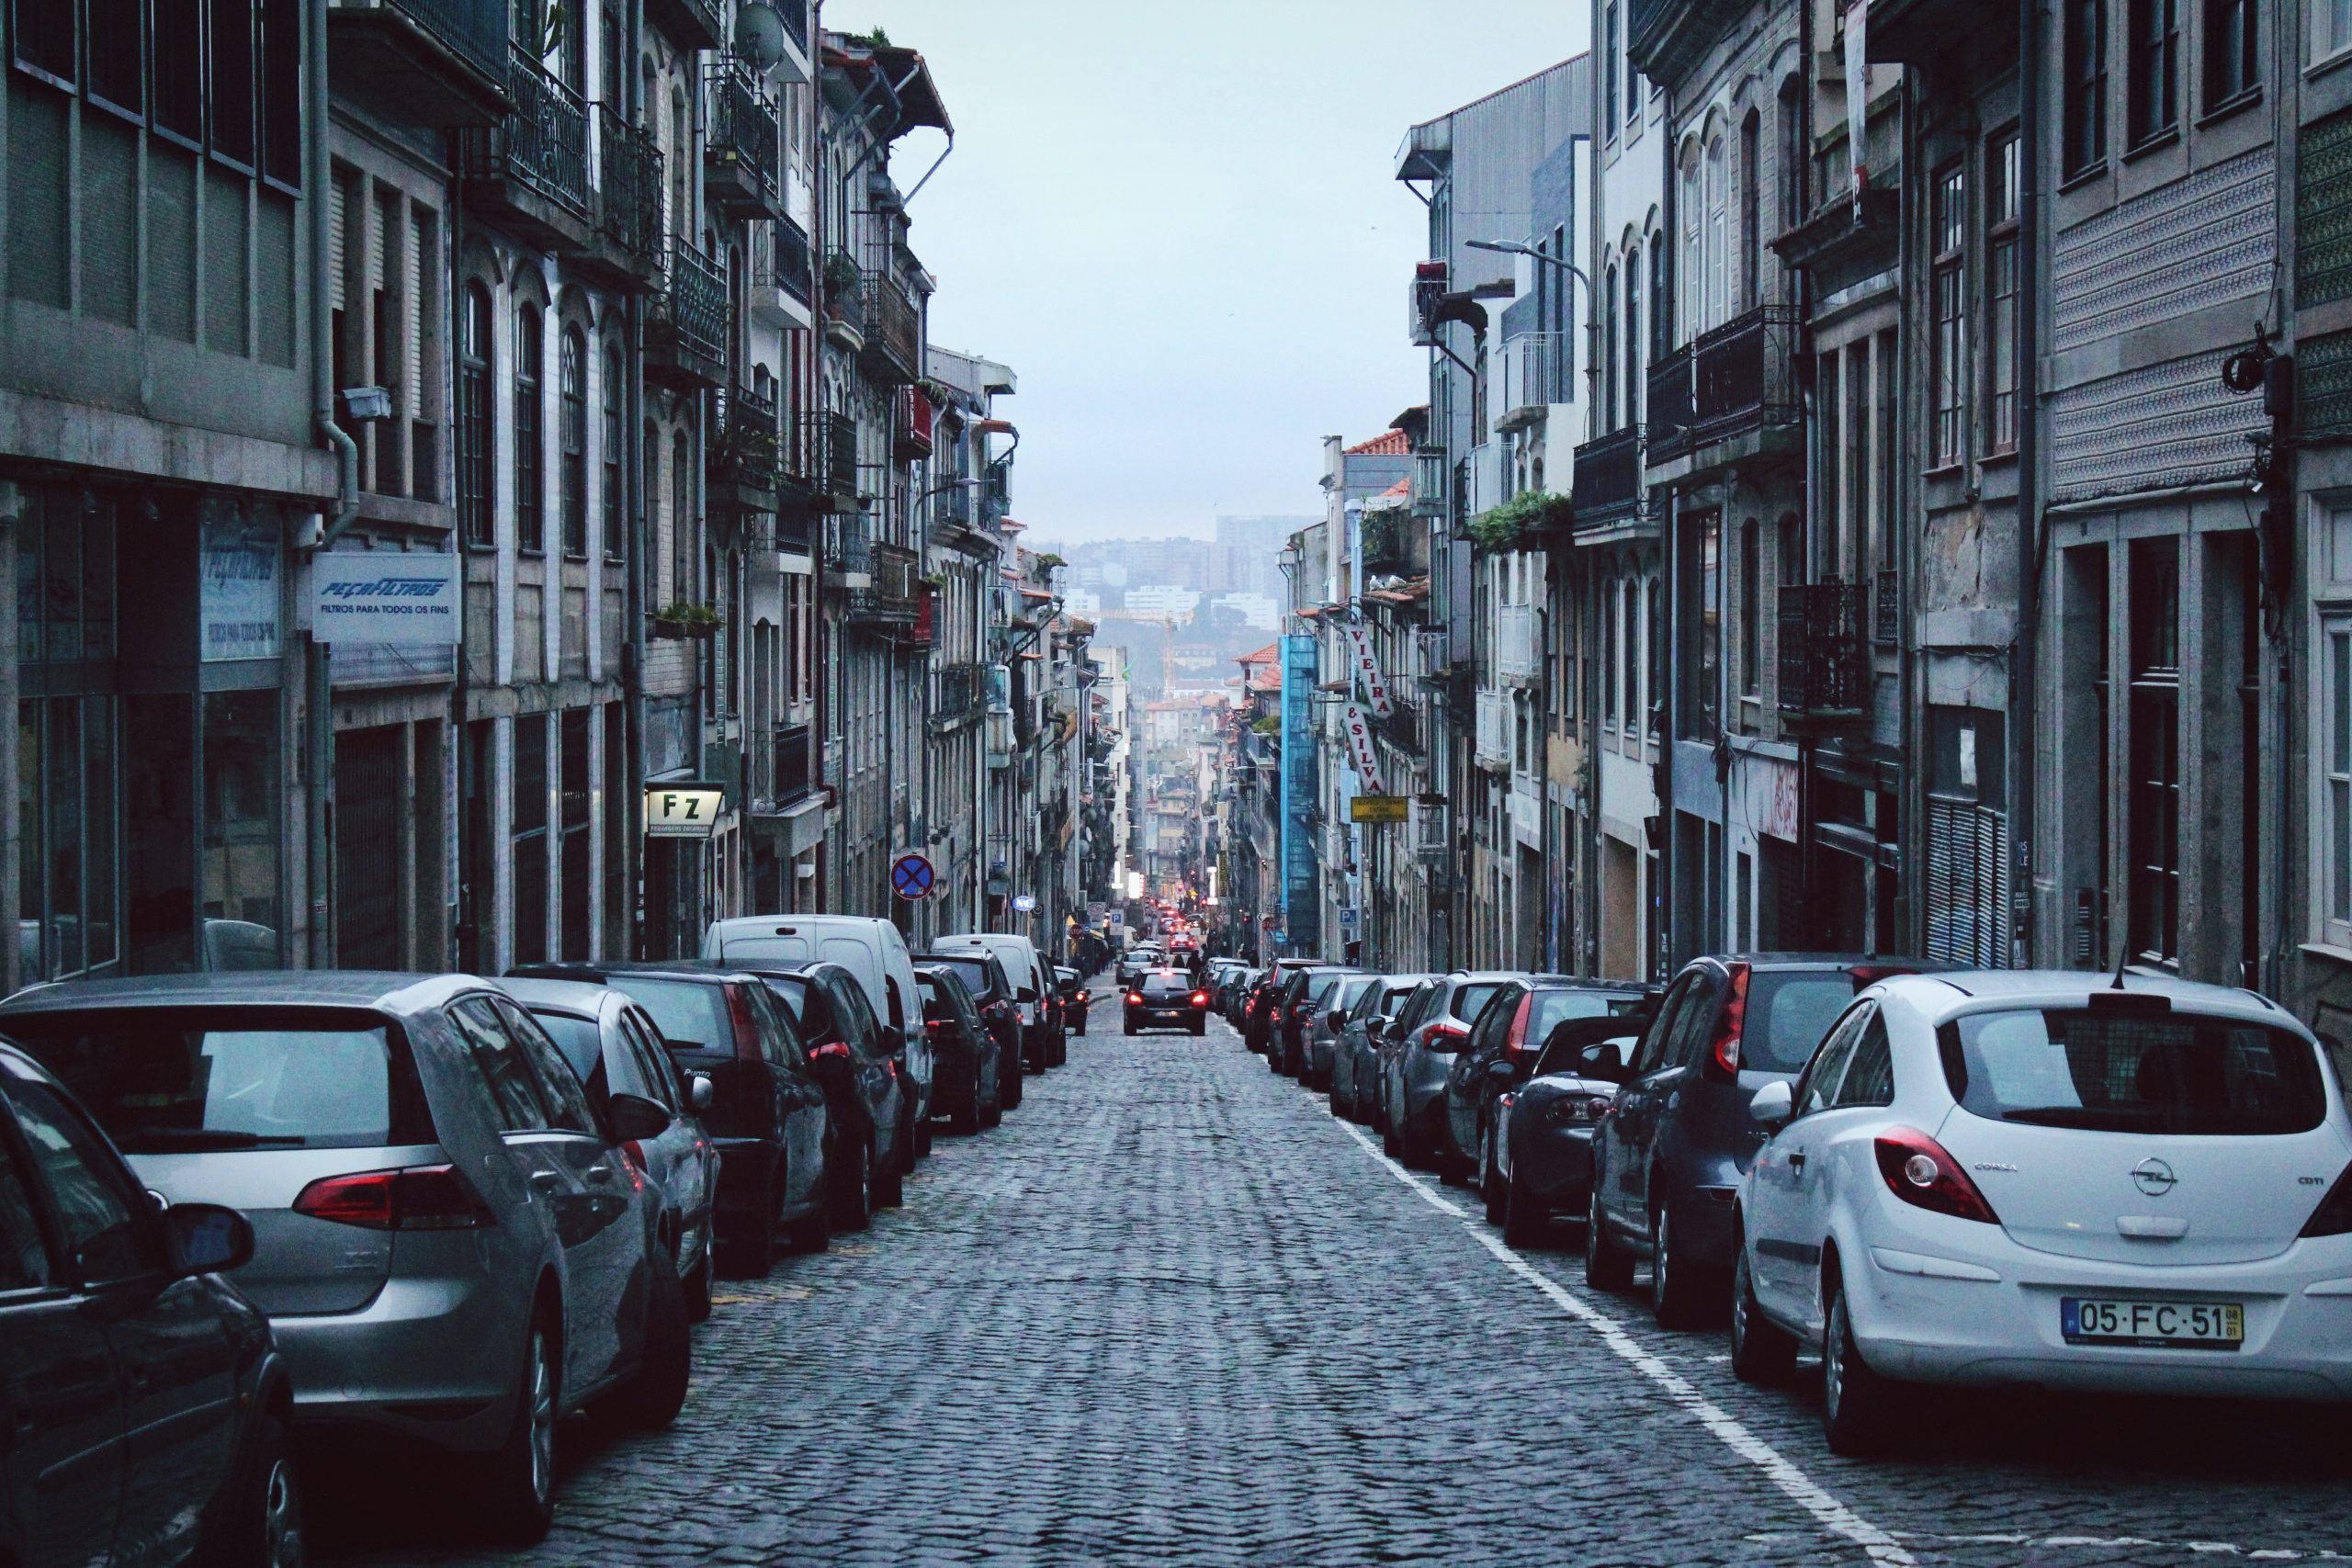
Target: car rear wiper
152,1139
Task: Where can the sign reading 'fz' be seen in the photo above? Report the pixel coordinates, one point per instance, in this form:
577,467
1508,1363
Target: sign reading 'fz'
681,810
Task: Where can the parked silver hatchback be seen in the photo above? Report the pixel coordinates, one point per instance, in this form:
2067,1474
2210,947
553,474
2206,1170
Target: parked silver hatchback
451,1244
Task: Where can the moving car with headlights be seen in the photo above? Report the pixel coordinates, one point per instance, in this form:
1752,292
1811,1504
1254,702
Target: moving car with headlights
1355,1055
143,1399
450,1243
1167,999
767,1116
1502,1051
1538,1162
1672,1152
963,1054
616,1048
2045,1178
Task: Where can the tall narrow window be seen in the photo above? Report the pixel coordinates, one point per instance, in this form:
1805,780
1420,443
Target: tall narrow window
1611,656
1951,346
476,449
1634,367
1690,279
1610,114
1718,240
530,455
2232,65
2154,68
2154,784
1751,607
530,838
1609,352
616,495
2331,28
2001,264
574,384
2085,66
1751,212
683,582
1661,316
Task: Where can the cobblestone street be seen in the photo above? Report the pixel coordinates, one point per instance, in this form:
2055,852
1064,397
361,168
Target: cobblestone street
1173,1313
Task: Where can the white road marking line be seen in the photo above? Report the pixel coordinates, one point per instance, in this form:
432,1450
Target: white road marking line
1800,1488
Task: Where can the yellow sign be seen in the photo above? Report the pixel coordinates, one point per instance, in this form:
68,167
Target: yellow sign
1379,808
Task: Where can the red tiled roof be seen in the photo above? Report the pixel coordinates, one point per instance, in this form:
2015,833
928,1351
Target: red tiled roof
1265,655
1412,592
1266,681
1387,443
1402,487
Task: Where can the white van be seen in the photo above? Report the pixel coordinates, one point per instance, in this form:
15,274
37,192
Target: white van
870,948
1031,984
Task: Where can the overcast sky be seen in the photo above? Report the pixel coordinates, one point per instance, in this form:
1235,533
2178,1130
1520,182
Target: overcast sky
1179,225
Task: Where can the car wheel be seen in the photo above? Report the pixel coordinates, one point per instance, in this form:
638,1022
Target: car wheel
1200,1026
851,1186
1607,1265
920,1145
1008,1080
259,1522
750,1255
1526,1223
1856,1402
889,1180
1061,1047
698,1287
813,1231
1679,1293
1131,1026
519,1483
1490,1185
967,1118
1761,1350
655,1392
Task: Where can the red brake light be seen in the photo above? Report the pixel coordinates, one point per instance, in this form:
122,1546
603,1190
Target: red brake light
1734,1020
837,1051
1921,1173
1200,999
747,1029
415,1198
1515,1044
1135,998
1444,1029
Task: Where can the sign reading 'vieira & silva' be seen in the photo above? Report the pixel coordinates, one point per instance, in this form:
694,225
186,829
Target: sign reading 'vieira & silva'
681,810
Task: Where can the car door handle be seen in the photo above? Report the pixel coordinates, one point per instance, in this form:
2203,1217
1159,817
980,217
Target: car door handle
600,1173
545,1181
1796,1163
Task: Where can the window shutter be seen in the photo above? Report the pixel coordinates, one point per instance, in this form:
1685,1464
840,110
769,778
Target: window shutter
1967,884
338,188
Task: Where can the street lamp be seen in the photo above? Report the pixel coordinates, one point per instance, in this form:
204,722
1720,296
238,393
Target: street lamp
1591,296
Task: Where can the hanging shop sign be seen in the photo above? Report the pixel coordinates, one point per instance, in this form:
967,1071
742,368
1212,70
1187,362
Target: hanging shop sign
1357,726
1380,809
1369,679
382,597
681,810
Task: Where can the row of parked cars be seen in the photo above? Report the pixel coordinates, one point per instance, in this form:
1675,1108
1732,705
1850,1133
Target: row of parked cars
2128,1184
367,1212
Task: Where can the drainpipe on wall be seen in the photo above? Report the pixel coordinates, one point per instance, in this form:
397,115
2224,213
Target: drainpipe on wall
632,671
318,698
2022,667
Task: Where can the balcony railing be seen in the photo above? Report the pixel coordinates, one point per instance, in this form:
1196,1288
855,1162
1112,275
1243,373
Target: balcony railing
686,335
914,420
1609,478
1887,625
781,254
439,62
849,544
740,153
1387,539
1432,483
695,24
823,454
962,693
1744,376
893,330
1670,401
1823,664
1538,371
541,146
890,595
745,451
628,190
1492,732
1519,656
794,763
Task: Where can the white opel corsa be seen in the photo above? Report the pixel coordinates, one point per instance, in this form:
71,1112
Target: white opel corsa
2039,1178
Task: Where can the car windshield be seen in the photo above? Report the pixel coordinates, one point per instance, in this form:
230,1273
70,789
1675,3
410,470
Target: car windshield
1788,1012
691,1015
2118,1070
1470,1001
164,1082
1556,1007
577,1038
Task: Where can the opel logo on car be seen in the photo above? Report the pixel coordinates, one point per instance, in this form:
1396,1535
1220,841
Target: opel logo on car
2153,1176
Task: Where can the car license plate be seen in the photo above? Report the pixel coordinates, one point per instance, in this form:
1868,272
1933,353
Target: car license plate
2201,1326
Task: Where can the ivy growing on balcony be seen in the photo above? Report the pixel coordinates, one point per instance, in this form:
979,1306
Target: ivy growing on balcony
1502,527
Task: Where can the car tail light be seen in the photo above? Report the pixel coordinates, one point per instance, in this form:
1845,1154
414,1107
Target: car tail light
1135,998
833,1051
1732,1022
1919,1171
934,1026
412,1198
1200,999
635,1153
1515,1042
747,1028
1444,1029
1570,1109
2333,1215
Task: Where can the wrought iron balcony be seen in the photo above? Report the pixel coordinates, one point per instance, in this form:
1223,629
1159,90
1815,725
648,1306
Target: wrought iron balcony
960,696
849,545
893,331
823,455
430,63
531,168
1744,375
1607,486
692,24
782,268
745,453
1666,37
740,153
889,595
1538,371
629,201
791,764
1432,483
1667,432
1824,667
1886,627
913,420
844,302
685,333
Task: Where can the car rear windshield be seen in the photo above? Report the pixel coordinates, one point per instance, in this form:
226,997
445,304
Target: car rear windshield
183,1081
1557,1006
580,1040
1788,1012
1470,1002
973,972
691,1014
1163,985
2132,1072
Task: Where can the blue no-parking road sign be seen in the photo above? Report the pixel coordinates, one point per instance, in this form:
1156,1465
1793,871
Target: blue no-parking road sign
912,876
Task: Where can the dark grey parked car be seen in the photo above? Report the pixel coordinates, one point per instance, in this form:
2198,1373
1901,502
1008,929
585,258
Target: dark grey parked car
1671,1153
1355,1057
1416,1065
1513,1029
616,1047
1329,1005
447,1239
1539,1161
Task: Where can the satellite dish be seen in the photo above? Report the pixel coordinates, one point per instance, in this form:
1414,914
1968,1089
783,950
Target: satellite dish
759,36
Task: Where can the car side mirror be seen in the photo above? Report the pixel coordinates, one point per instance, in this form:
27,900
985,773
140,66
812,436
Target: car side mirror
699,1092
894,1040
1773,1104
632,1118
1604,1059
1502,1074
1339,1020
207,1238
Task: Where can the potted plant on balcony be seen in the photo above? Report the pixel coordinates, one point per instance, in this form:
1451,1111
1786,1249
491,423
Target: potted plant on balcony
669,620
703,622
1502,527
